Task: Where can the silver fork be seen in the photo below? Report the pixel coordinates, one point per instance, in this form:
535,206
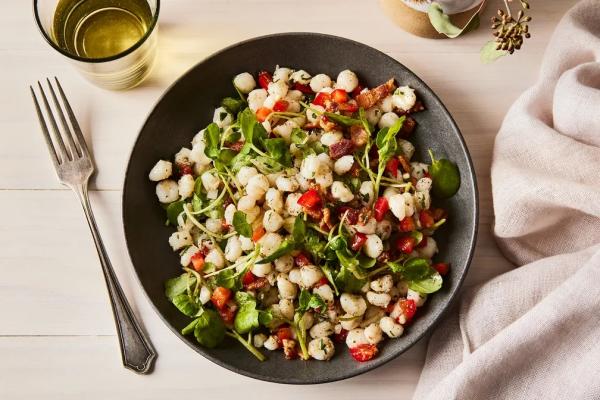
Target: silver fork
74,167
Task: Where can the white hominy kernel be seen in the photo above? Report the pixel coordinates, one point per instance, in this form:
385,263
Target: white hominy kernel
386,104
215,257
321,349
389,192
272,221
183,156
346,80
322,329
343,164
324,180
424,184
373,115
422,201
402,288
368,228
404,98
161,170
367,191
247,243
279,88
430,249
291,204
310,275
407,148
313,112
356,337
179,240
353,304
390,327
397,206
303,182
418,298
379,299
214,225
294,95
373,246
418,170
271,100
320,82
233,249
244,82
262,270
271,343
409,204
274,200
384,229
307,320
187,255
325,292
287,184
349,322
330,138
256,98
341,192
300,76
210,181
373,314
197,155
269,243
184,223
287,290
213,194
228,214
388,119
281,74
259,340
294,276
246,203
257,186
244,175
286,307
373,333
284,263
310,166
383,284
205,294
222,118
252,214
167,191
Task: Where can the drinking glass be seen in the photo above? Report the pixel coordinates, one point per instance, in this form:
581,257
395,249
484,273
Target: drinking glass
111,42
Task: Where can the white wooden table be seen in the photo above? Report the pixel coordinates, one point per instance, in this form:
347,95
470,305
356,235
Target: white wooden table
57,338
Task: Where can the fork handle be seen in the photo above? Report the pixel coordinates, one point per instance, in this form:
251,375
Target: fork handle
137,352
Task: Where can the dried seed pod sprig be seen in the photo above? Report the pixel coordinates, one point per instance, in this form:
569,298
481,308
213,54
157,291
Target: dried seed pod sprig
510,31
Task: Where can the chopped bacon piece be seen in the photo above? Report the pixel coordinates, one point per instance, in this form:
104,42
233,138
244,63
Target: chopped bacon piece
359,135
384,257
258,283
358,240
314,213
341,148
284,333
325,223
184,168
349,107
355,170
340,337
237,146
406,244
408,127
357,91
369,98
227,313
439,213
351,214
404,163
301,260
289,349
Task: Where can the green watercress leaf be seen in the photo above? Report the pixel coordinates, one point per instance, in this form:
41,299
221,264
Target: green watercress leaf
299,229
328,271
308,301
173,210
186,304
347,282
287,246
445,176
342,119
429,284
241,225
210,329
212,135
178,285
233,105
246,319
228,279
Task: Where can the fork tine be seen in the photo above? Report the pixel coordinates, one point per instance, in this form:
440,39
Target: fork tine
78,134
74,151
44,129
62,151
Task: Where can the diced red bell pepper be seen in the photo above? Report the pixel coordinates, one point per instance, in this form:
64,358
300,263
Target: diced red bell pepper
310,199
340,337
248,278
406,244
357,90
363,352
284,332
322,281
264,78
409,308
258,233
227,313
426,219
348,107
380,208
321,98
198,261
184,168
392,166
301,260
442,268
407,224
280,106
220,296
263,113
303,88
358,240
339,96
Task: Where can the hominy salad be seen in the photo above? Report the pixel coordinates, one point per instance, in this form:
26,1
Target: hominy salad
301,219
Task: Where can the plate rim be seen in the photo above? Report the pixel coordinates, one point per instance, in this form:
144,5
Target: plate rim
377,362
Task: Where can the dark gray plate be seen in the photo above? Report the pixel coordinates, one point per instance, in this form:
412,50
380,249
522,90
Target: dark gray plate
187,106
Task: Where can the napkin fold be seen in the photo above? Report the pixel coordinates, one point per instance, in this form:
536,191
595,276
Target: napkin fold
534,332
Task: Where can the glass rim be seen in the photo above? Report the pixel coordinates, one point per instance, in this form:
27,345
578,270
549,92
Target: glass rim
117,56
